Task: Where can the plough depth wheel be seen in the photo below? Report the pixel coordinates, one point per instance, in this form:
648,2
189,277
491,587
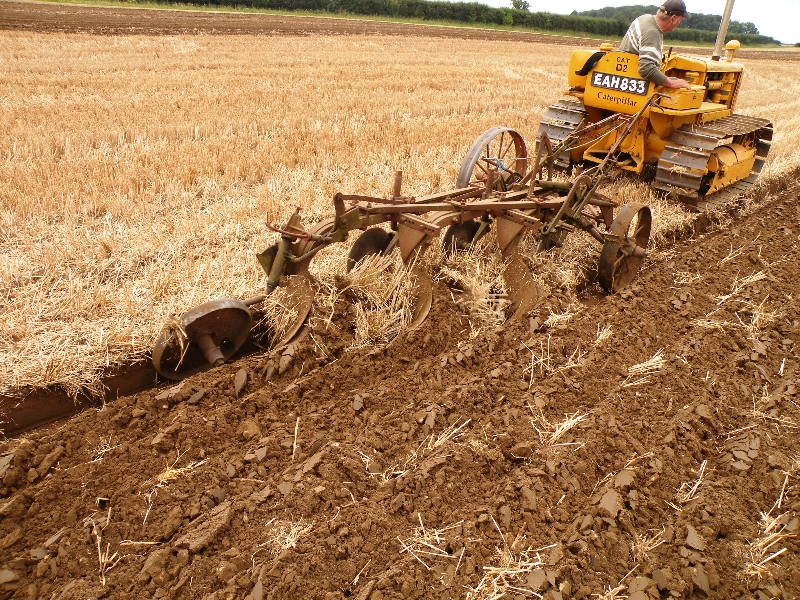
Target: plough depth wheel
622,256
210,334
500,147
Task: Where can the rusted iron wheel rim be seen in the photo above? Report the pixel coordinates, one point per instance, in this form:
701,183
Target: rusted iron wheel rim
623,256
500,146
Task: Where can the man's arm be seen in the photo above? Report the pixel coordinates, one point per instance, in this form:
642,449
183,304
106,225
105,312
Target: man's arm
650,55
650,69
675,83
650,61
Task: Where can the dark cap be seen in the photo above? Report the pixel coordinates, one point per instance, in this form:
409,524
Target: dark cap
675,7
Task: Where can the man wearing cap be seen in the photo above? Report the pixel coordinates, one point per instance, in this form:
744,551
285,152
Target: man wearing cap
645,37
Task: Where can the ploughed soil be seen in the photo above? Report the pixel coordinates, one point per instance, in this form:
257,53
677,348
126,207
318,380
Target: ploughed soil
445,464
643,447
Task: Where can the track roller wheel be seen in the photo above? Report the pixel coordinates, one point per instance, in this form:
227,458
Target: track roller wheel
203,337
372,241
499,146
623,255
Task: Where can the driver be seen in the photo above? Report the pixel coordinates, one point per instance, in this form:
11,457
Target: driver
645,37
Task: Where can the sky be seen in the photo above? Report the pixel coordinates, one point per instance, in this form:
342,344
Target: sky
777,18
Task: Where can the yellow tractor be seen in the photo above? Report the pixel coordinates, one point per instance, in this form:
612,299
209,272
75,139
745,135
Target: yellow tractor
690,142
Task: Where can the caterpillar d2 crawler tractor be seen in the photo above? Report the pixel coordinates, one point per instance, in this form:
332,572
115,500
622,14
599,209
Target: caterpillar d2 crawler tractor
690,143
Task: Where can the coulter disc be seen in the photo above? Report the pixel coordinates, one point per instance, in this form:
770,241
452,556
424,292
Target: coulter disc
212,331
461,236
372,241
622,256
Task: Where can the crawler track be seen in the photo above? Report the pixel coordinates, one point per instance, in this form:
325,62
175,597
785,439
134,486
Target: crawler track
682,164
558,121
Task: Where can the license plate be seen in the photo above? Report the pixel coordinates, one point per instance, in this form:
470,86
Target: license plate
631,85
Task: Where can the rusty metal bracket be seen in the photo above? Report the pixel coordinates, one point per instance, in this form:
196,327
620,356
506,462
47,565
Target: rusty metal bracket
517,216
419,224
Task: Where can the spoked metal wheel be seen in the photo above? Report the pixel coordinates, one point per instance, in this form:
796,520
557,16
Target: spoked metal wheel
500,147
203,337
373,241
623,255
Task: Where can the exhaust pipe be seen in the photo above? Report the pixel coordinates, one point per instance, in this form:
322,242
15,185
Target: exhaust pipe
723,30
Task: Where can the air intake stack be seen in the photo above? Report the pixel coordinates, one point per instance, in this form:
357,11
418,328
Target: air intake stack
723,30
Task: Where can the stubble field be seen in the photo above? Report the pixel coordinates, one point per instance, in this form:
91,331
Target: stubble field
640,445
138,171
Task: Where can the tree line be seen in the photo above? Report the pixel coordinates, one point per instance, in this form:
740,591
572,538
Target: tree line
694,21
477,13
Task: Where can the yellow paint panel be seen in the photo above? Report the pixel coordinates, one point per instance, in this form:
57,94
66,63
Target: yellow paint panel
684,99
615,84
576,62
707,109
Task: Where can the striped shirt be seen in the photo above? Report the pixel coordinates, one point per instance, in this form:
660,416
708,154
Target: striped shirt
646,39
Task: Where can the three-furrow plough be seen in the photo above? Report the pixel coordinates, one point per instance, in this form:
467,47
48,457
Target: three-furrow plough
498,186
